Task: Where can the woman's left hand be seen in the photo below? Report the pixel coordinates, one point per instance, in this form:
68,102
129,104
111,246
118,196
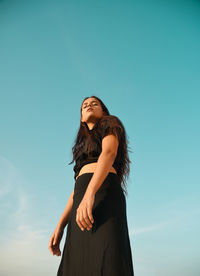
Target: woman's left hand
84,217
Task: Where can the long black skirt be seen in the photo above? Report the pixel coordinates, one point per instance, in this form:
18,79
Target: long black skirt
105,249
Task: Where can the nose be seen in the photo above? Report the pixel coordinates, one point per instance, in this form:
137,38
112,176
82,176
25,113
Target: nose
89,106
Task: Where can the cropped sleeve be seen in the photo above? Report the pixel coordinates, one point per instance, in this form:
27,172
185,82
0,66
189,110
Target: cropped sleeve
110,124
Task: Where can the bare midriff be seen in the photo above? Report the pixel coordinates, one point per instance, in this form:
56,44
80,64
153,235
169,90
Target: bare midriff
88,168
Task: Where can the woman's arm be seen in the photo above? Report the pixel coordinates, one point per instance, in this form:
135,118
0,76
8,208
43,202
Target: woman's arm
105,161
63,221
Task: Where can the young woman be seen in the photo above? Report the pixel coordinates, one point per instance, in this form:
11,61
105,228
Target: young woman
97,239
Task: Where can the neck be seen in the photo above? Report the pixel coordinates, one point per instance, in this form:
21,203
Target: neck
90,125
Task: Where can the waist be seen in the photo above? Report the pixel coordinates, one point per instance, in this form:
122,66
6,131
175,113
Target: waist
111,183
90,168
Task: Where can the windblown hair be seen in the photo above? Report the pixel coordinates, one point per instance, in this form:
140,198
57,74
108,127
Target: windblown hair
83,135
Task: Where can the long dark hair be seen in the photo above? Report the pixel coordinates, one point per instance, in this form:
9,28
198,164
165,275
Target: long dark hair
82,134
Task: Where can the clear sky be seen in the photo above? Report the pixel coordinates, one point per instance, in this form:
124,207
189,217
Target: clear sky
142,59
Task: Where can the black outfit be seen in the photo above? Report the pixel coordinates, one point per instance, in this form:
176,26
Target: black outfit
105,249
91,147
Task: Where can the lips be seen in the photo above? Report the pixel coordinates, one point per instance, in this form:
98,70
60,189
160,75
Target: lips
90,109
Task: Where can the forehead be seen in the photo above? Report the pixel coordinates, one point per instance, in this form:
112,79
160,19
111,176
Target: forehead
87,101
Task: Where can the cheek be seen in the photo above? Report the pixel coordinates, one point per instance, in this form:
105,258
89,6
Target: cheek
83,115
100,112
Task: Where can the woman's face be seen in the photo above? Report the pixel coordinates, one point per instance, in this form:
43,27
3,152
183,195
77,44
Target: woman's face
91,110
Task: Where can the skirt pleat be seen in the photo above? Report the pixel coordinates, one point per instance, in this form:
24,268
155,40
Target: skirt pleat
105,249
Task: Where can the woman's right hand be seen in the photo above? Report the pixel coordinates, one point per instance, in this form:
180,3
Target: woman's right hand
54,242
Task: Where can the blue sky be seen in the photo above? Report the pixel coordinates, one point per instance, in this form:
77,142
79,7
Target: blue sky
142,59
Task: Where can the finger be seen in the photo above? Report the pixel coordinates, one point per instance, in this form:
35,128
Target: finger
58,237
51,241
51,250
55,239
78,221
51,244
86,219
90,216
82,220
57,251
58,254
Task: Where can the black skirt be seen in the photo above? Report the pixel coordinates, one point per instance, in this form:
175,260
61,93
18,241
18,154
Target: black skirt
105,249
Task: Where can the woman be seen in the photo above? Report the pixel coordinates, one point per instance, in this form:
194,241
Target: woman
97,239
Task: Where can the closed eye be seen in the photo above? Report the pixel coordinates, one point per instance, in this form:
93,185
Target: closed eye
92,104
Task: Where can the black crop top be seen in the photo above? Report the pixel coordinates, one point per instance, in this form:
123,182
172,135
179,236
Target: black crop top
89,152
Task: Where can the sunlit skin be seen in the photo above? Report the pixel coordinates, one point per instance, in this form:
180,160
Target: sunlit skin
91,116
84,216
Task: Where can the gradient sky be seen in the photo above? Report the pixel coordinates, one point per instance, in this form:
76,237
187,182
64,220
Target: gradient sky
142,58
